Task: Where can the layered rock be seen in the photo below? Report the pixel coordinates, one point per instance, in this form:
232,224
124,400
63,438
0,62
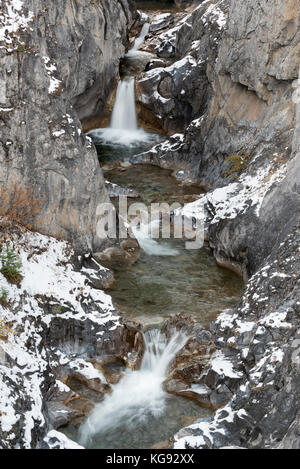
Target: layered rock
58,65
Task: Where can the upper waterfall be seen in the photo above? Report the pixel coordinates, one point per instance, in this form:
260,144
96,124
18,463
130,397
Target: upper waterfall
124,112
123,128
140,39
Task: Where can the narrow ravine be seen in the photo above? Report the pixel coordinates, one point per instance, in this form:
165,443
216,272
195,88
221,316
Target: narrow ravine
167,279
149,161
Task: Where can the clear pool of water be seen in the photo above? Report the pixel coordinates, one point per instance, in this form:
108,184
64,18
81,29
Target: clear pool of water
178,413
158,286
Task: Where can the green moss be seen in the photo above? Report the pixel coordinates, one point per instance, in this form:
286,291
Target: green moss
238,162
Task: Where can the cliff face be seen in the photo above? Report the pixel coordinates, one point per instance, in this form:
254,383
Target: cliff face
57,64
253,115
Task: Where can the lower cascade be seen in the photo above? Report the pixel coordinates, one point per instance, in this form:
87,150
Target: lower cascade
139,396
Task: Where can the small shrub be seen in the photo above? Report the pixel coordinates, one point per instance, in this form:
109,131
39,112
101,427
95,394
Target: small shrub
20,204
11,265
3,297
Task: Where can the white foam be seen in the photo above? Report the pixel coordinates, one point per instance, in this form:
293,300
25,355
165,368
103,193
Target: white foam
122,137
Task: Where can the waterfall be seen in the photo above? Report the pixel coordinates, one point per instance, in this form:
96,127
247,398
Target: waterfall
139,394
123,128
124,112
159,352
140,39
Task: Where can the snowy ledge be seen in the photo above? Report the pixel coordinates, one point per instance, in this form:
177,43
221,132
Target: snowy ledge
236,198
24,361
13,21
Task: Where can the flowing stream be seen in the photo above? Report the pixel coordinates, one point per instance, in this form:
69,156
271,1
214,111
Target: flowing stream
167,279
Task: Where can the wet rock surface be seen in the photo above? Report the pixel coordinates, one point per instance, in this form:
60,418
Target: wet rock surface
127,254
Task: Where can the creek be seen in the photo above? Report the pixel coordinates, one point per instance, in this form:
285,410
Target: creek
166,280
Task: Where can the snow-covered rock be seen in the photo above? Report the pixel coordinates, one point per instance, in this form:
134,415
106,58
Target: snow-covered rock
57,323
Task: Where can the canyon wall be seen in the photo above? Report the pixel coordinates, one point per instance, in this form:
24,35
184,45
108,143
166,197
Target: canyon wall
58,63
252,115
233,72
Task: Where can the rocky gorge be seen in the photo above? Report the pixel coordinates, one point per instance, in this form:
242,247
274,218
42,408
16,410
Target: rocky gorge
221,88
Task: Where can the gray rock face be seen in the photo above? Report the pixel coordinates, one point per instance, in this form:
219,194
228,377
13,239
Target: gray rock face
270,70
262,335
252,236
58,63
